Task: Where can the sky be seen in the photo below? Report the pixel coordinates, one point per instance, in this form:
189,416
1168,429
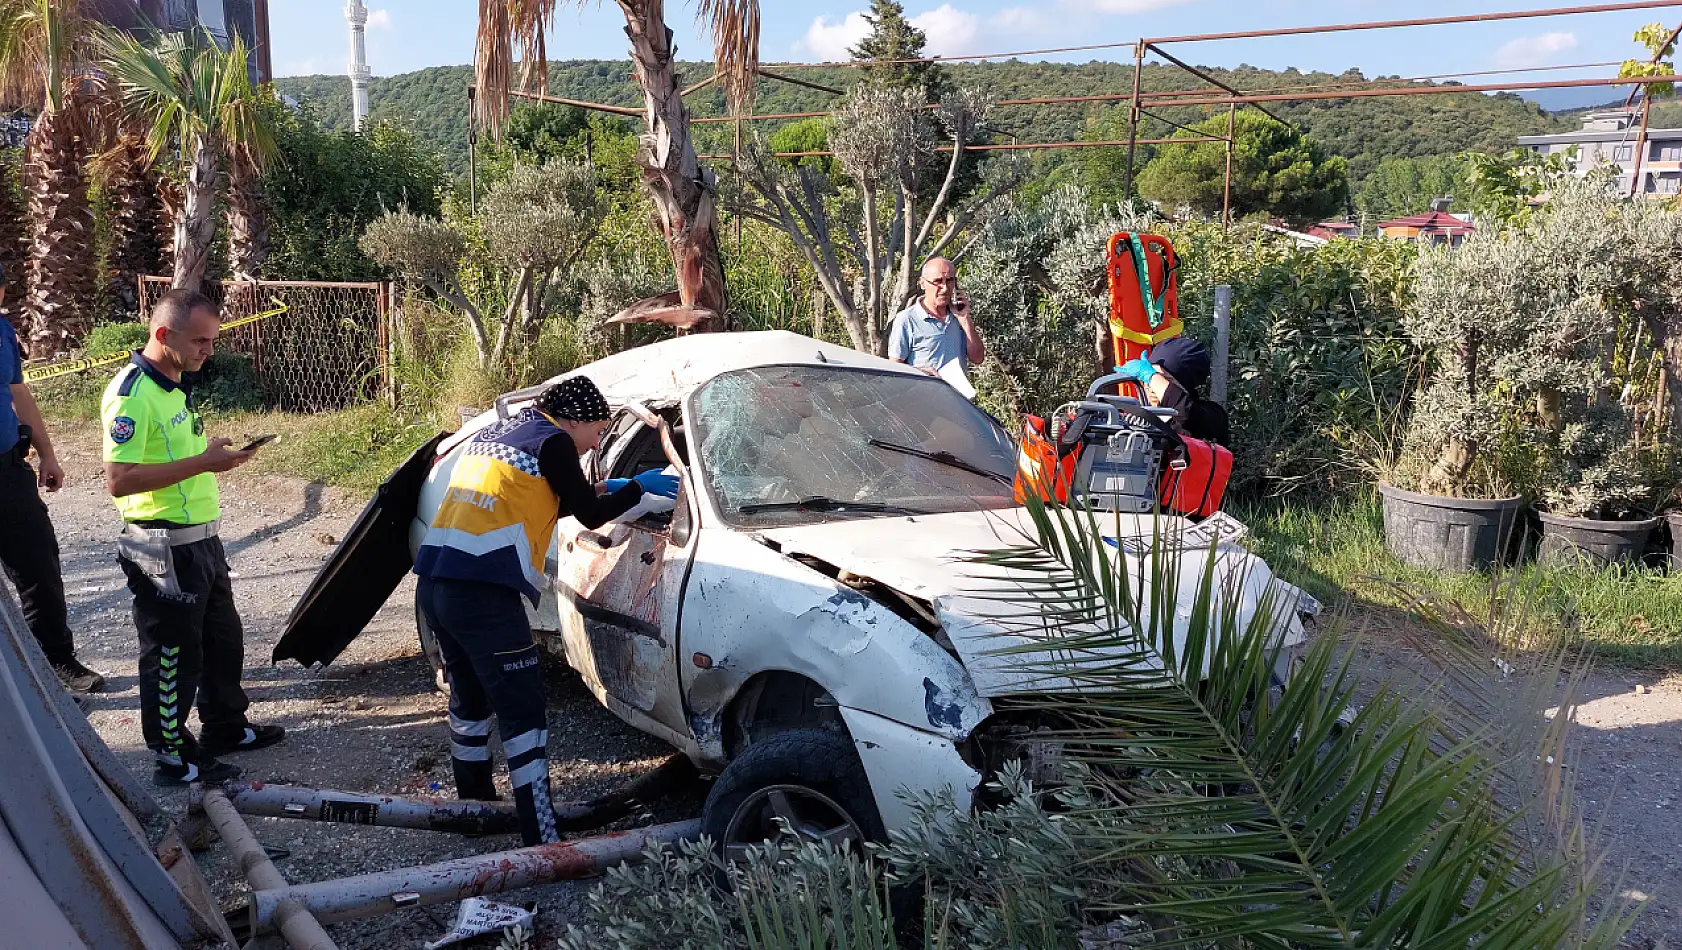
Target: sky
310,36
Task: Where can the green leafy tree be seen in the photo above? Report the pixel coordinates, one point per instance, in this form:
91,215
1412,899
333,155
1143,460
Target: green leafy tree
1660,41
806,135
531,231
1276,171
326,187
1402,186
1507,187
893,37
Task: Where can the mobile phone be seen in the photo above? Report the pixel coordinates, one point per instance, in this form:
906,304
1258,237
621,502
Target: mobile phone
261,440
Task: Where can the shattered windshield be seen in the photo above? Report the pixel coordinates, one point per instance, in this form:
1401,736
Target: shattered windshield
792,444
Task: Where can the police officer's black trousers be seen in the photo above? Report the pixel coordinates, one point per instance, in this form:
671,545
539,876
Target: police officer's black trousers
493,667
192,647
29,551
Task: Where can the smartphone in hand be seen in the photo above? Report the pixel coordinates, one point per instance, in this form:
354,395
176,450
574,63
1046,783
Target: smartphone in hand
259,442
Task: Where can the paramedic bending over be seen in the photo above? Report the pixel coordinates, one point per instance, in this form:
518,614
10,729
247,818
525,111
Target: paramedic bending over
1173,374
485,549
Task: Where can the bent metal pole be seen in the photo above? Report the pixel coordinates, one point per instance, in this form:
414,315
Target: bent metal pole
382,892
301,930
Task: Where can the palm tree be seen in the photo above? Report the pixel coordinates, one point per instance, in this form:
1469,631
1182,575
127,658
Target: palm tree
199,100
42,42
130,182
685,195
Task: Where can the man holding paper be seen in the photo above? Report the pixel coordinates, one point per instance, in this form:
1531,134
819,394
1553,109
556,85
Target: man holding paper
936,333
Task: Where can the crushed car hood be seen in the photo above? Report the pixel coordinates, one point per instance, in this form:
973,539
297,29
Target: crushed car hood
927,556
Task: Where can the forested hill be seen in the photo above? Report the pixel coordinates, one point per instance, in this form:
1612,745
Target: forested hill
433,103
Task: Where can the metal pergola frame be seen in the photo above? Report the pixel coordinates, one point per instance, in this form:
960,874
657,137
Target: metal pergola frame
1140,101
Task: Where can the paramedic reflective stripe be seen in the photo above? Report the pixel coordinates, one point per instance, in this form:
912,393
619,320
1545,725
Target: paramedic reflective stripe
469,753
537,768
525,742
469,727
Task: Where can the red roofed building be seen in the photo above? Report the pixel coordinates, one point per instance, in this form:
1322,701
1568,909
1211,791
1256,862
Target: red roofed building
1432,227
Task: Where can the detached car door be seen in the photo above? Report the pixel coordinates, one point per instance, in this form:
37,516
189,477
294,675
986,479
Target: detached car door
621,586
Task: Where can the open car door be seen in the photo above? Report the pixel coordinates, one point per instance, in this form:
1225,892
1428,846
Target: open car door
621,584
369,563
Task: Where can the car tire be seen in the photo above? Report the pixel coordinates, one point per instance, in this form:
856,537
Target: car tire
429,649
811,776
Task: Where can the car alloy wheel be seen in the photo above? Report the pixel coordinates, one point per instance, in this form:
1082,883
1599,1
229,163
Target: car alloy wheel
788,809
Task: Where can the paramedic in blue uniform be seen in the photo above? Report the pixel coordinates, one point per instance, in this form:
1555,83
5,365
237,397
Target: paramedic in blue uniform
485,551
28,547
1173,374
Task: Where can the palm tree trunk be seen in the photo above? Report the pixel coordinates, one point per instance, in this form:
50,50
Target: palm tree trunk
14,244
136,209
195,227
248,221
684,194
61,275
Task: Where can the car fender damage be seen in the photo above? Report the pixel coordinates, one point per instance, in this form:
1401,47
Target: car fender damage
898,757
791,617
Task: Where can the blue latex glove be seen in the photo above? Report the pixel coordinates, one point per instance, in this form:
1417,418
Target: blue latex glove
1139,369
658,483
614,484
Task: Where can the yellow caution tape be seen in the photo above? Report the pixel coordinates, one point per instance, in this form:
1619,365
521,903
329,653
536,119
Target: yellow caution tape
69,367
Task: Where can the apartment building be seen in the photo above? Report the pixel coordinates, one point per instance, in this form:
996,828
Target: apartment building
1616,139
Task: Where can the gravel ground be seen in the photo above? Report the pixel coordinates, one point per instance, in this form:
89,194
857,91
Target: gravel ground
372,721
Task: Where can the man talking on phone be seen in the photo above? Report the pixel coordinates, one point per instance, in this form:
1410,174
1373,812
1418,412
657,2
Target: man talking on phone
161,471
937,331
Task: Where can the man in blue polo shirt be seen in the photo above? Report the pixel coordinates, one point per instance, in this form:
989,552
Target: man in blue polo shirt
28,547
937,331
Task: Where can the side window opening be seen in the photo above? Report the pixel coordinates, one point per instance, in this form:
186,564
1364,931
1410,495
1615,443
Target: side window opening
644,453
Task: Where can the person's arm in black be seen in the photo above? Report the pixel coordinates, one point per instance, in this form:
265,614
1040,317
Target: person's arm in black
558,461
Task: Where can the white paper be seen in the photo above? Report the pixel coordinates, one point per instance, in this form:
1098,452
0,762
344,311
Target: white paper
479,916
953,373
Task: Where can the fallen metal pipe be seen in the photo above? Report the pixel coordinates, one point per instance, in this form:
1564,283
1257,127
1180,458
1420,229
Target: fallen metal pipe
266,800
382,892
289,915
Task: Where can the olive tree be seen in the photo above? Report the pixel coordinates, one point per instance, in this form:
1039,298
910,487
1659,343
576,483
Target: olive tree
1546,339
866,230
528,236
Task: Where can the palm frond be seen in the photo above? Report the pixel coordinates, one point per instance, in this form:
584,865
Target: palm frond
1246,811
734,25
43,44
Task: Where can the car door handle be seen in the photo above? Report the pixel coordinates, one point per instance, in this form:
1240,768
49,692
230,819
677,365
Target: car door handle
594,541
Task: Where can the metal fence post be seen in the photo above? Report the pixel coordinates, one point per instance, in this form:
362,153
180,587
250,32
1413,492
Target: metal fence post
1223,343
382,307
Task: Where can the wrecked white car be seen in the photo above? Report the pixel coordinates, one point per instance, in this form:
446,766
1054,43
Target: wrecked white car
801,623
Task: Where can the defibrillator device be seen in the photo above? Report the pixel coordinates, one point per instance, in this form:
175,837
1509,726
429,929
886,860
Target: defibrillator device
1116,453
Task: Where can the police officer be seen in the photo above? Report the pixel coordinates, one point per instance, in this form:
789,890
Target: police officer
28,547
160,469
485,549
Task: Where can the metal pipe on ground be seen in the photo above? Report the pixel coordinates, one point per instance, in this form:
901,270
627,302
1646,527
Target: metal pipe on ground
382,892
289,915
266,800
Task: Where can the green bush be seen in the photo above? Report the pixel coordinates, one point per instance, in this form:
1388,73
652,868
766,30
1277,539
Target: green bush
228,382
114,337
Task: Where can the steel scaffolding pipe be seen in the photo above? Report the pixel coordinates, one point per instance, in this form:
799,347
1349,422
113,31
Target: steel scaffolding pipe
1425,21
382,892
294,921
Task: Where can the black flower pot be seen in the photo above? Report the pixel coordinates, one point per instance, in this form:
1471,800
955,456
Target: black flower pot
1568,541
1675,519
1449,534
1592,540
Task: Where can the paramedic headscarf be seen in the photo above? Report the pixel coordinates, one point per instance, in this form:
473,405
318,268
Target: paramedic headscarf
1185,359
576,398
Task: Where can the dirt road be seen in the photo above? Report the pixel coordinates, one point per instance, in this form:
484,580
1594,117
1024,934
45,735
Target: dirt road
372,722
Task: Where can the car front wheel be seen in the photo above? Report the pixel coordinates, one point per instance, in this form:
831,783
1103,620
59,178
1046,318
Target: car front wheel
810,778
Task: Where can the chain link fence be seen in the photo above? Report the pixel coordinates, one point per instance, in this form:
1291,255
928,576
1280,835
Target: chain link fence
327,351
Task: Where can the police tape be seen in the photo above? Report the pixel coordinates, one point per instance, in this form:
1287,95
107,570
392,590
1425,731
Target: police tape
69,367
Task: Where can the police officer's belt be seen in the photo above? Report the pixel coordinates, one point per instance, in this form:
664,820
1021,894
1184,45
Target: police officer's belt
177,536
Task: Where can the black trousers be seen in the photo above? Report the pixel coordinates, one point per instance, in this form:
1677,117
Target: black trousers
493,667
29,551
192,649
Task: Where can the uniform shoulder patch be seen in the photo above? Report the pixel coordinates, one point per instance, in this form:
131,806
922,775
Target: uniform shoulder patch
122,429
